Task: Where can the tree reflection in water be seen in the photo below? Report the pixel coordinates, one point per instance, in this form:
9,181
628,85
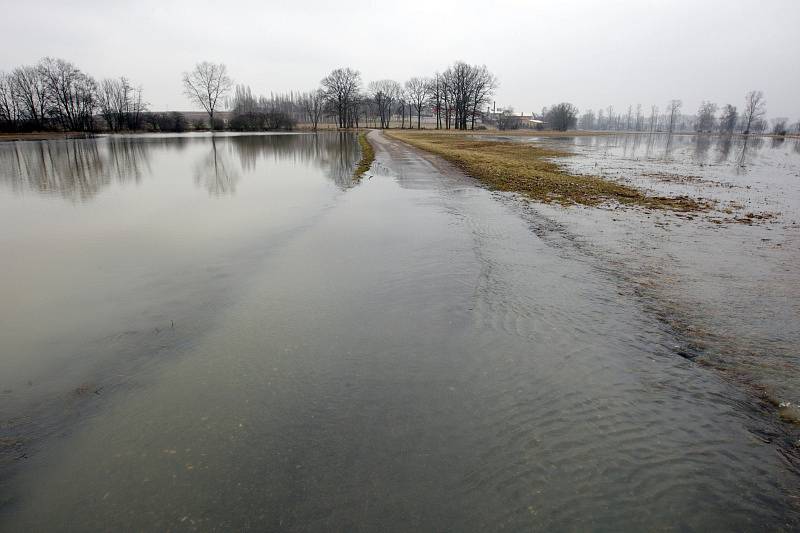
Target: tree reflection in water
215,173
749,145
79,169
702,144
730,149
336,153
724,144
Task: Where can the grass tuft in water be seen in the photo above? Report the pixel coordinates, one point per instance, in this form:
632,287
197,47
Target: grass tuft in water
367,156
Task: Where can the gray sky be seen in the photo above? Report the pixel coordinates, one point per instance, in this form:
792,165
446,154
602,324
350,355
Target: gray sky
591,53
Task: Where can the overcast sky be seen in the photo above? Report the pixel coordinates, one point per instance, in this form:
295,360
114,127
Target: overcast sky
590,53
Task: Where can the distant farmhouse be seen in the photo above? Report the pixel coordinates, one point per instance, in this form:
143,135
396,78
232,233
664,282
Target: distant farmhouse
506,119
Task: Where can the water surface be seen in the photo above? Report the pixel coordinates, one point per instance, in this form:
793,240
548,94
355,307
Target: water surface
728,279
227,333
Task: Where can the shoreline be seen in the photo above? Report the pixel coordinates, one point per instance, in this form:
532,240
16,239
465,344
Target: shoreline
367,156
306,128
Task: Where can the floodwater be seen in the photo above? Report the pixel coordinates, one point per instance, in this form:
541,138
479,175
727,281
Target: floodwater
728,279
226,333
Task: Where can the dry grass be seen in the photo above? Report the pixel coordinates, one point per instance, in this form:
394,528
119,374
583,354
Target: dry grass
527,169
367,156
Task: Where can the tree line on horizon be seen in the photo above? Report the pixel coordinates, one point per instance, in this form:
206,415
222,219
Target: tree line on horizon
55,95
455,97
710,118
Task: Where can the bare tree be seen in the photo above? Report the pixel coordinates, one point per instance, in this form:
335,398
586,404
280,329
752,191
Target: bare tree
72,93
435,89
418,91
206,85
465,89
484,83
673,109
29,87
653,118
448,91
314,105
754,110
728,118
779,126
341,88
121,104
639,117
402,104
587,121
259,113
705,117
384,95
357,107
9,103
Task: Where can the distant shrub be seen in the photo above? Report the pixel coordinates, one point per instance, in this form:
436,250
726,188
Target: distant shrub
173,122
199,125
177,122
779,127
261,121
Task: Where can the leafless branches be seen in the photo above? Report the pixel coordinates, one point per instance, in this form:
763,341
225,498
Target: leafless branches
705,117
384,95
341,89
673,109
121,104
418,94
313,103
754,110
205,85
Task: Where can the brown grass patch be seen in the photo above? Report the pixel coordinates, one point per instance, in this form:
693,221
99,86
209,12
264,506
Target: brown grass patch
367,156
528,169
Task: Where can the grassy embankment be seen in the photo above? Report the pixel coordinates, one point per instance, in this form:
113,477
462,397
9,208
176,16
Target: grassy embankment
529,170
367,156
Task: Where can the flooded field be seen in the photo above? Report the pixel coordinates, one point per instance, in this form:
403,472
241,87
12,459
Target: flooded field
226,333
728,279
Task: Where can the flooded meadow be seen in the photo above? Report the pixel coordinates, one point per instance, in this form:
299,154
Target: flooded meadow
225,332
727,278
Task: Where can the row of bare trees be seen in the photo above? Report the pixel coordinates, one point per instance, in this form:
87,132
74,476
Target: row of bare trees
454,97
709,118
54,94
258,113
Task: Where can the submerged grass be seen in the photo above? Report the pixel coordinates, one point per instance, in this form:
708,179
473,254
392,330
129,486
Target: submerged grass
528,169
367,156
